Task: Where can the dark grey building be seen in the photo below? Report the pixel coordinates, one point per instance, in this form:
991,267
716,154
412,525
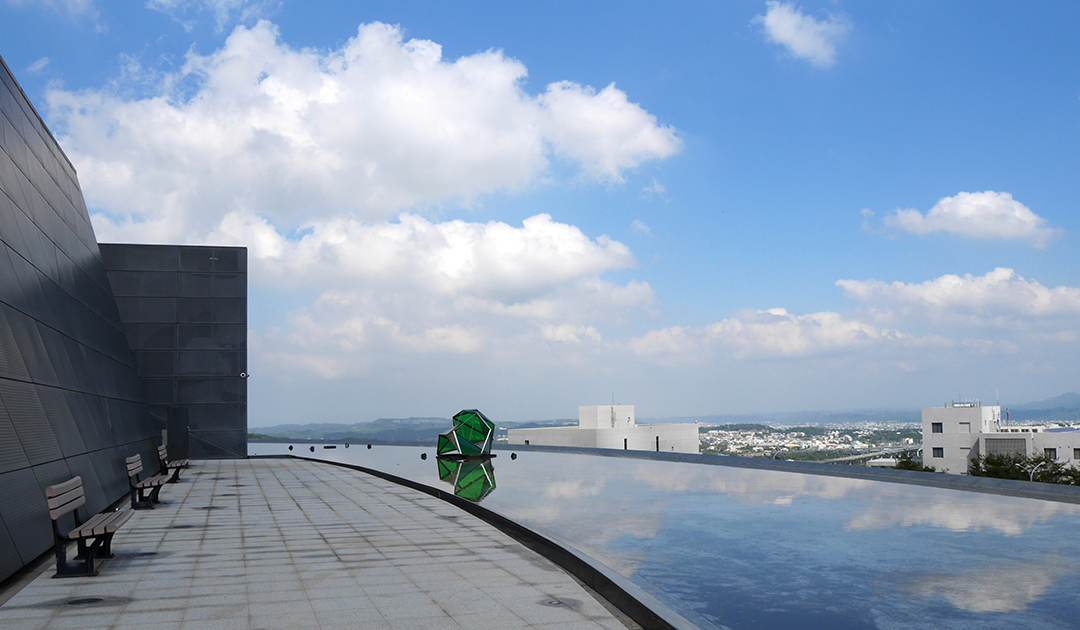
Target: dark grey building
71,400
184,310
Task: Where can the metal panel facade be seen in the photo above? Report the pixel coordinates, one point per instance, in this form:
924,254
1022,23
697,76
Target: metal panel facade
184,310
70,398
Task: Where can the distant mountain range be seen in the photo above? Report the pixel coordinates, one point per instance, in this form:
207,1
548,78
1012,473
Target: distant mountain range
1070,400
1065,407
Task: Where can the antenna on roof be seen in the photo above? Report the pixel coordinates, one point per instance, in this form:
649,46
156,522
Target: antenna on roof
997,397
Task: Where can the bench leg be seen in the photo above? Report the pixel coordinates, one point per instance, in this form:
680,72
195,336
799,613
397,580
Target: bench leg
139,501
81,546
85,568
106,547
154,494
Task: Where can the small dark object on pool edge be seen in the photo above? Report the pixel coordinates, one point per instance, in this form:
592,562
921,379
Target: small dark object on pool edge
290,447
312,449
513,455
369,447
346,445
423,456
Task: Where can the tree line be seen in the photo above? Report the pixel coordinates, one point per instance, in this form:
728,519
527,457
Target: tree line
1038,468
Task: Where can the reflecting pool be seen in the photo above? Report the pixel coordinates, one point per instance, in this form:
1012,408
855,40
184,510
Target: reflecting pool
740,548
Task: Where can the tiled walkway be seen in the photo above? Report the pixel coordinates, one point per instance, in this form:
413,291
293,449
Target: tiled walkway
291,544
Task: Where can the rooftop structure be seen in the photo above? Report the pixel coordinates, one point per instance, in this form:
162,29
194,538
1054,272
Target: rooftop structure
612,427
958,432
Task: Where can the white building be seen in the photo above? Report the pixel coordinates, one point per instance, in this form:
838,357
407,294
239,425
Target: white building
957,433
614,427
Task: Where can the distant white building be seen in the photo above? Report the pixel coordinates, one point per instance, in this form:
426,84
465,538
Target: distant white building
614,427
957,433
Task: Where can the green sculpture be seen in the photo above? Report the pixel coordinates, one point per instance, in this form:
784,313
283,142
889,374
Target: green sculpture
471,436
472,479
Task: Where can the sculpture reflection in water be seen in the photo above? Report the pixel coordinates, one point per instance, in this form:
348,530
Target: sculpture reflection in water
473,479
464,455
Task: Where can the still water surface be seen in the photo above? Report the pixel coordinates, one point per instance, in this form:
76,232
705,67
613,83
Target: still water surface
738,548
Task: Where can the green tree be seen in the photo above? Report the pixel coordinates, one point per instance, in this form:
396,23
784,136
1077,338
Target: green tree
904,461
1020,467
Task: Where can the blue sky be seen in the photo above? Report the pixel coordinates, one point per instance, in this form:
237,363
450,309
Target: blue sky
702,208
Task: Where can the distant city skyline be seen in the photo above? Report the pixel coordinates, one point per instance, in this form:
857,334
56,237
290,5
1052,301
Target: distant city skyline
701,209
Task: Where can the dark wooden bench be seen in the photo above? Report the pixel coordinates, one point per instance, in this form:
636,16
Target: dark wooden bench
144,493
66,498
170,465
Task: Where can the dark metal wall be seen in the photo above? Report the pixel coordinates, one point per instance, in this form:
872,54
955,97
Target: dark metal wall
70,399
184,310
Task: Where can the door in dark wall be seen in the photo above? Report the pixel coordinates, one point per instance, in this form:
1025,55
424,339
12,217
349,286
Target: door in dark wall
178,433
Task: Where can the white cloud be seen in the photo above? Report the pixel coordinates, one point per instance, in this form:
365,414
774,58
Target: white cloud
569,333
224,12
38,65
452,258
639,226
801,35
603,130
766,334
375,127
392,291
369,329
980,215
654,189
999,297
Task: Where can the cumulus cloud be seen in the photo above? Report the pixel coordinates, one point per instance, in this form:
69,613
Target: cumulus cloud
980,215
348,332
394,290
603,130
377,126
452,258
766,334
998,297
803,36
224,12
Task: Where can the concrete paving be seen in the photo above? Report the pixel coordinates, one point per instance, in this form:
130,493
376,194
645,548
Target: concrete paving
247,544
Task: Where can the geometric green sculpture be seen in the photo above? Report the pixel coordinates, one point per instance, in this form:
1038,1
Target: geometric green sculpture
471,436
473,479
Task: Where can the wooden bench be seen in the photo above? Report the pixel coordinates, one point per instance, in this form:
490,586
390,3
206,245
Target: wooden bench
144,494
170,465
68,497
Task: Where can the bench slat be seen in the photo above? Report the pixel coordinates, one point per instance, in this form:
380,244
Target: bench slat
134,465
152,482
56,511
104,523
65,497
61,488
